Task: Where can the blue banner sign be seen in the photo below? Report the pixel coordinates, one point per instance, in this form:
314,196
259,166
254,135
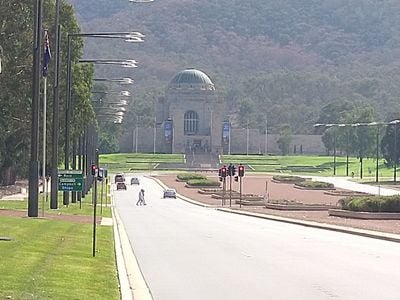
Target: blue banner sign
168,130
226,131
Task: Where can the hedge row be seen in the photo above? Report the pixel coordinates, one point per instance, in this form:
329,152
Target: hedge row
288,178
315,184
189,176
203,182
371,203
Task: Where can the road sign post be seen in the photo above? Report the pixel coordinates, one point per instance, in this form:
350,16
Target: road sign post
70,180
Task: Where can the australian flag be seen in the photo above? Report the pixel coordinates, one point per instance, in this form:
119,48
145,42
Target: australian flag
46,55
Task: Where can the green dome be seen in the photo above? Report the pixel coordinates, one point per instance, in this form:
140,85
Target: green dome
191,78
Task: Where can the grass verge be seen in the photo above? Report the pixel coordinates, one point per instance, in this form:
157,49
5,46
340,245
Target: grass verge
48,259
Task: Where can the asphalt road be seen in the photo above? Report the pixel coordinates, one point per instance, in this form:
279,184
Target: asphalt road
190,252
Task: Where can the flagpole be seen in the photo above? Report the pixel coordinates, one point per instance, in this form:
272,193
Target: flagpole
45,71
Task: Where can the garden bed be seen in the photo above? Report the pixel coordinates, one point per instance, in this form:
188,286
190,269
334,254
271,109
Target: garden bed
250,202
237,196
294,205
314,185
363,215
209,191
345,193
314,188
189,176
287,179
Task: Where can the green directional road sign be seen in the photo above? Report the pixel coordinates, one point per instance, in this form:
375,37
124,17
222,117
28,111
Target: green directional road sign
70,180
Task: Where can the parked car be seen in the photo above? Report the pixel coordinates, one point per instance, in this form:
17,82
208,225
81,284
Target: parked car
119,178
135,180
169,193
121,186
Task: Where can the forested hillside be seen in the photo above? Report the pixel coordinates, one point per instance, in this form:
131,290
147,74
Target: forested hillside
277,60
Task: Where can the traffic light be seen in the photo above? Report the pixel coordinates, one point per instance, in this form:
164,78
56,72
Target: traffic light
231,170
241,170
93,169
223,172
219,172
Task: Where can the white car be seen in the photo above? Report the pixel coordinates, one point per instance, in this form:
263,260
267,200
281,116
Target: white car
169,193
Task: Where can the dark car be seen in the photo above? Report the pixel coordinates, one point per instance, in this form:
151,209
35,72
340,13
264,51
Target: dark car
169,193
135,180
121,186
119,178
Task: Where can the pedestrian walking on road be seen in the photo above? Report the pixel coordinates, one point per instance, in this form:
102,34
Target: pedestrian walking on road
141,200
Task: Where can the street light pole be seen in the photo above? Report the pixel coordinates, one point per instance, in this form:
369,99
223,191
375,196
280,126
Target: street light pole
67,117
334,151
347,153
33,205
127,36
377,155
56,122
395,153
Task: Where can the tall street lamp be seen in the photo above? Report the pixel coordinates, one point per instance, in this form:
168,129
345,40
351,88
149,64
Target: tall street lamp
56,121
377,124
33,196
34,183
126,36
122,81
334,141
126,63
395,122
118,93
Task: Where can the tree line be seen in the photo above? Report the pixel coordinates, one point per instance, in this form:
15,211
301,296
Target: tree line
16,40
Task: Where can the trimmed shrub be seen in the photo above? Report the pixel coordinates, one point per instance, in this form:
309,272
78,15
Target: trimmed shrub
371,203
315,184
189,176
288,178
203,182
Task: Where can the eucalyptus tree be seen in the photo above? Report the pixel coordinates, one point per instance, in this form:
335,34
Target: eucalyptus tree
390,144
16,35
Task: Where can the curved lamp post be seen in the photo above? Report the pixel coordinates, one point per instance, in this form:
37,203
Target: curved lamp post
126,36
378,125
334,141
395,122
118,93
126,63
122,81
33,195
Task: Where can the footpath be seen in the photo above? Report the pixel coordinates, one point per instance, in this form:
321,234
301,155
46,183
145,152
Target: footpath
344,183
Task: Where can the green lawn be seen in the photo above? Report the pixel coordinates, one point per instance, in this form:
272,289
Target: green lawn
125,162
49,259
85,208
309,165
